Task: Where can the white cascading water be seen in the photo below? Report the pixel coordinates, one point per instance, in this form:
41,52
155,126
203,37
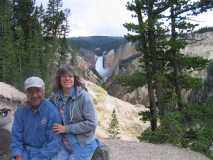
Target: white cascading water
104,72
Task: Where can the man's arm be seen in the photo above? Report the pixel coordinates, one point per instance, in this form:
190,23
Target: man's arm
17,134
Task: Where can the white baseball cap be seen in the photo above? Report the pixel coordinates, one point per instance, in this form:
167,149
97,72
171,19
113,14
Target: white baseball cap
33,82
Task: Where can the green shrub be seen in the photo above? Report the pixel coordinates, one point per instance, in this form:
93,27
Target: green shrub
192,128
114,129
171,130
157,136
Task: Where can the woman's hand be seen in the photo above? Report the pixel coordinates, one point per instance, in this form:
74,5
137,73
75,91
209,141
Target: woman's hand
58,128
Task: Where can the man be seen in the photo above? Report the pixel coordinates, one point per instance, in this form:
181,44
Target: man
32,135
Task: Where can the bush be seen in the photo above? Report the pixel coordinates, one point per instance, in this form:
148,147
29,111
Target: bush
192,128
171,130
202,143
114,129
154,137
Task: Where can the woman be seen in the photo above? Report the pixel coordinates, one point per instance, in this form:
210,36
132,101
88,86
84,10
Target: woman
78,116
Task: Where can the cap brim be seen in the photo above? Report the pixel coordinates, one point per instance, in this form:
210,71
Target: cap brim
36,86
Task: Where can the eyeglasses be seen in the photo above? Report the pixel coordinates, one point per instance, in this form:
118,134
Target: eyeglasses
4,112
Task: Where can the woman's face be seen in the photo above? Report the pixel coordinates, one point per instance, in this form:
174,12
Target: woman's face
67,81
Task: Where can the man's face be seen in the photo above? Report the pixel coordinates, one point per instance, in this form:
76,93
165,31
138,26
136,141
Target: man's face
35,96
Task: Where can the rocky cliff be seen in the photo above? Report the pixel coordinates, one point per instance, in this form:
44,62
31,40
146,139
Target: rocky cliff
115,57
85,70
88,56
114,49
130,125
202,45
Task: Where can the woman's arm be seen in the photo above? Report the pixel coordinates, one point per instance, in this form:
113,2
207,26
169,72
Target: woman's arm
89,113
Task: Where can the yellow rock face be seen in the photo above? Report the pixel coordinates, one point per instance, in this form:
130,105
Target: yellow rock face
127,114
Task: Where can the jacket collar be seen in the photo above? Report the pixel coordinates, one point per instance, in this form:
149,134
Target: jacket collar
75,92
40,107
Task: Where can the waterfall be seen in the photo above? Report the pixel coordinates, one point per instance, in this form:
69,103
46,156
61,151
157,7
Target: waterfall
99,66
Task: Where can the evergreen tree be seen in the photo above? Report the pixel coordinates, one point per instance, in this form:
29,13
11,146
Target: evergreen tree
180,30
24,46
54,19
171,71
28,40
150,42
56,28
114,125
23,11
64,48
6,45
165,68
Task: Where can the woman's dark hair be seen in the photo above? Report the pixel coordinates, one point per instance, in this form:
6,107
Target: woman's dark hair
67,69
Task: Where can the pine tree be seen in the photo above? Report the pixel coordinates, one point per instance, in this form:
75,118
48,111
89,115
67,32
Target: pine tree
165,68
6,45
54,19
24,46
180,31
22,16
56,28
64,48
24,38
113,129
149,35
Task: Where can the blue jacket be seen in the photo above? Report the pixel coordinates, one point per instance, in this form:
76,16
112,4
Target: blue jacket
79,115
32,131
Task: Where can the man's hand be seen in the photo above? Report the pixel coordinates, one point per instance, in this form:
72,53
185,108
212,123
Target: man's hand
58,128
18,158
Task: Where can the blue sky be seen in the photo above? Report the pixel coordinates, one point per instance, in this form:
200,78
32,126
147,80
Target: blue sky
106,17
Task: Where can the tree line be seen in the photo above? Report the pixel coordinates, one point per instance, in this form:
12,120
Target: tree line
32,39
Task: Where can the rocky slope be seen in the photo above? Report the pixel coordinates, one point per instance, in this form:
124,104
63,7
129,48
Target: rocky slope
130,125
88,56
85,70
114,57
203,46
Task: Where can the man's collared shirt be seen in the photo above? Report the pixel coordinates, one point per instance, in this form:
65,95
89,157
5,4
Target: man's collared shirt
32,131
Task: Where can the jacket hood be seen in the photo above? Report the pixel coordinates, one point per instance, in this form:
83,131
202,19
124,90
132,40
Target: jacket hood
75,93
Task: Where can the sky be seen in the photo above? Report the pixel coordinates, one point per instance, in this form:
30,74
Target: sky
106,17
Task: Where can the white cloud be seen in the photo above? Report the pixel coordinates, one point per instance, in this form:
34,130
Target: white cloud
205,19
98,17
105,17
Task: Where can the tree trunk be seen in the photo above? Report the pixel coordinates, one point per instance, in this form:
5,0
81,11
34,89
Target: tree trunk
148,68
175,61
